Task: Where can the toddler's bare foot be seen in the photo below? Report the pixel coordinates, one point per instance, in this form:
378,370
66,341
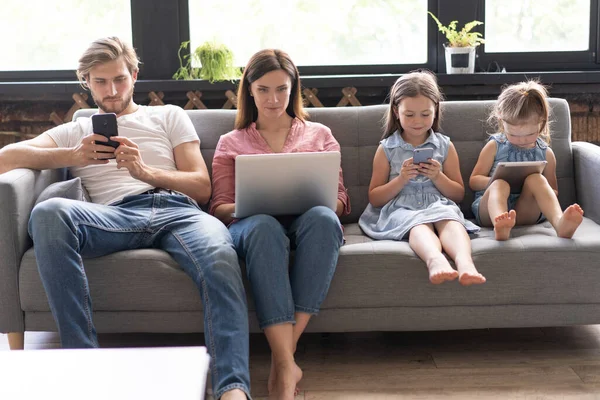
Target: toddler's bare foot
570,221
440,271
288,374
503,223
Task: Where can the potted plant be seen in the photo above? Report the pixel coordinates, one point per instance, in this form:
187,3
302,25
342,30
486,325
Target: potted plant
461,46
216,60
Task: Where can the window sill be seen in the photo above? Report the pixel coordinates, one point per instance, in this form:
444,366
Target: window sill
480,83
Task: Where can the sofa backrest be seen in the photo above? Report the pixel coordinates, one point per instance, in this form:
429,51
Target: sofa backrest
359,129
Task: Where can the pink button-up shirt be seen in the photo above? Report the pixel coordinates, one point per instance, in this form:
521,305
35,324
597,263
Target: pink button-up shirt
303,137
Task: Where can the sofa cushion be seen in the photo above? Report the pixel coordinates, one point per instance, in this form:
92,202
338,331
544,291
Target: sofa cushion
70,189
146,280
533,267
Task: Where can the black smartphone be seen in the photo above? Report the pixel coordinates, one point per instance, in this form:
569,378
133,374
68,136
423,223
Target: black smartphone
106,125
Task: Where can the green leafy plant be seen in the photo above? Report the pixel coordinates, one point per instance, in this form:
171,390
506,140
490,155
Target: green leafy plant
216,62
462,38
185,70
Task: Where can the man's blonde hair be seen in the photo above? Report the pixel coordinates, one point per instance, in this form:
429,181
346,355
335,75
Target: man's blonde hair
105,50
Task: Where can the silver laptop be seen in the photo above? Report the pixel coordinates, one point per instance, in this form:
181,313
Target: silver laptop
285,183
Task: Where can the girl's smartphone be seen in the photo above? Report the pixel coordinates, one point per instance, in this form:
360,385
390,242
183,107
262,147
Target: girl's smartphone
422,155
106,125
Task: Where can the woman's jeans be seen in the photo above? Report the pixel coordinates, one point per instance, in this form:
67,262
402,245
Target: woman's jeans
65,231
264,243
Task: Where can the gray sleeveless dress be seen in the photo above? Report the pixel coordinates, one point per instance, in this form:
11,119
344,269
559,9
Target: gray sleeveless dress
419,202
507,152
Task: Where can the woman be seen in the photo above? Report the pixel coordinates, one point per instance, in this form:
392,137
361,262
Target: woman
271,119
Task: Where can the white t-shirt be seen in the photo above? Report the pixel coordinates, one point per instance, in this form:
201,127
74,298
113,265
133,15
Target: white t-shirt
156,130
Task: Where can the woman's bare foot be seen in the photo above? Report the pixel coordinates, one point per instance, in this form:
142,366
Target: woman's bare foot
570,221
503,223
287,376
235,394
273,377
440,271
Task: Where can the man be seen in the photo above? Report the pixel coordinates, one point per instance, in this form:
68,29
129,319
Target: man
144,195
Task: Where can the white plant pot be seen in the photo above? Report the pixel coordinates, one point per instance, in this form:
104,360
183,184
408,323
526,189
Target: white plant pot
460,60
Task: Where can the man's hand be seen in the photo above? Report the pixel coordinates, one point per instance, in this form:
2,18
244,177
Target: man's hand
91,152
128,156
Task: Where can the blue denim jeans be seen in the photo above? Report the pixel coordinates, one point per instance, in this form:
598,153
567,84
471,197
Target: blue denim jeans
264,243
65,232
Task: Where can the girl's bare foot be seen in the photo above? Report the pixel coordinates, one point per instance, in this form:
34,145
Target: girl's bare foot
469,278
503,223
440,271
287,376
570,221
468,273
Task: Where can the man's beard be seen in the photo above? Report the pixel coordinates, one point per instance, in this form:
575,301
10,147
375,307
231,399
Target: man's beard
116,107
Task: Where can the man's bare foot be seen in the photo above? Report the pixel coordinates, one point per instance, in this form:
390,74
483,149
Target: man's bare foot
440,271
287,376
273,377
235,394
503,223
570,221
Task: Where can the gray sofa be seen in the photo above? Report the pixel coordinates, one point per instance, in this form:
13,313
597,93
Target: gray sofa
533,279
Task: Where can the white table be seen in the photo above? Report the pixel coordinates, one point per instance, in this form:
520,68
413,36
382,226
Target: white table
132,373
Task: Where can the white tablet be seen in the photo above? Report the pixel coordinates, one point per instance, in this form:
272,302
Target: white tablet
515,172
285,183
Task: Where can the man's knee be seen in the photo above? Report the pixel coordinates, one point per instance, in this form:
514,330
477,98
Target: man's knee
224,268
48,216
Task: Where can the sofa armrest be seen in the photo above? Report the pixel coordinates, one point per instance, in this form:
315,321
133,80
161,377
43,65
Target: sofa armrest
586,159
19,189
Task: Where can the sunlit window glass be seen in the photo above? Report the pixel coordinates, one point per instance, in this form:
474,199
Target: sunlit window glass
52,35
534,26
316,32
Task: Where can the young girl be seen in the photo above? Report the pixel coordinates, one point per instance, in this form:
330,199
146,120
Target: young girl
418,200
521,115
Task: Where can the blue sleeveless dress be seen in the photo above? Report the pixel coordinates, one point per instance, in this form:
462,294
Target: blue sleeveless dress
419,202
507,152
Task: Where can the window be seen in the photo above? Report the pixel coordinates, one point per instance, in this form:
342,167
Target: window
51,35
529,35
316,32
534,26
44,39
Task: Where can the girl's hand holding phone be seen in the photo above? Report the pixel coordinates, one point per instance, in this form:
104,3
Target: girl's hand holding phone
430,169
409,170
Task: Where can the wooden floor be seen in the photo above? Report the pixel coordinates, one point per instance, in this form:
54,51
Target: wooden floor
536,363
